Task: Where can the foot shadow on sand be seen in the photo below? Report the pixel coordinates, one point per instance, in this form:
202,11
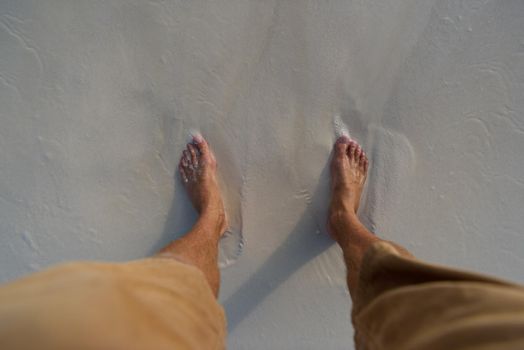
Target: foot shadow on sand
306,241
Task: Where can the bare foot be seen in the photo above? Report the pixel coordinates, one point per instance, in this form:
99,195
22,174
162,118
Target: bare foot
198,171
349,168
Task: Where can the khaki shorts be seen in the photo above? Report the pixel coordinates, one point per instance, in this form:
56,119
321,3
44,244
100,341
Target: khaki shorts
163,304
406,304
152,304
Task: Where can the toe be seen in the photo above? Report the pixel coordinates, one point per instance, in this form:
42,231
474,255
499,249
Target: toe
201,144
341,148
358,153
183,174
351,149
186,158
193,153
341,145
344,139
362,158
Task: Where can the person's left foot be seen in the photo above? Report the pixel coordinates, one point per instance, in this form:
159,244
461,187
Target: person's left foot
198,169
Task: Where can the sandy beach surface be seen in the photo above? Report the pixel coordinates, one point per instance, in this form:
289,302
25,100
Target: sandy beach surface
97,99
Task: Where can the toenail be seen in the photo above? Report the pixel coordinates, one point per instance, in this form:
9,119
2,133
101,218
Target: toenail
198,138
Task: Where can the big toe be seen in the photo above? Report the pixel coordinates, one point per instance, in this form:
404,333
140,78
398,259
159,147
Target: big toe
341,145
344,140
205,152
202,146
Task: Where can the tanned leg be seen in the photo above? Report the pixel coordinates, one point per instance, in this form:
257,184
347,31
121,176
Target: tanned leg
349,167
199,247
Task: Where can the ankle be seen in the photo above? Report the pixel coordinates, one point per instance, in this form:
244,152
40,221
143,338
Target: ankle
346,204
214,220
340,216
345,227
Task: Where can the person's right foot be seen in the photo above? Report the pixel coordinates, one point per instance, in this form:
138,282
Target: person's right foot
349,167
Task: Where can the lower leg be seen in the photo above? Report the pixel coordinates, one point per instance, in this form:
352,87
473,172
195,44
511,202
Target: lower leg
199,247
354,239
